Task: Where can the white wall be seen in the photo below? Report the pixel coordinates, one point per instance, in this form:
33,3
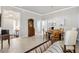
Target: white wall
69,18
24,16
0,9
10,19
78,17
0,27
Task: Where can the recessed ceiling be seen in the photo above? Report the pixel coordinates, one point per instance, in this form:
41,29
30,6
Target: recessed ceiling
42,9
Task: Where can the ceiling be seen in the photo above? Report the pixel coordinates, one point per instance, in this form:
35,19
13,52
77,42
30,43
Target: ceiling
42,9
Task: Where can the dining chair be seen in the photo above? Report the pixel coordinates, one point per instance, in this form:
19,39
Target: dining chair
70,41
5,36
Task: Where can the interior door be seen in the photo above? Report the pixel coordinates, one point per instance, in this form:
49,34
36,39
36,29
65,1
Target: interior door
31,29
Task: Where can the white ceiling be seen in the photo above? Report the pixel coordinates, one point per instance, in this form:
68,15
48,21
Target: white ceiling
42,9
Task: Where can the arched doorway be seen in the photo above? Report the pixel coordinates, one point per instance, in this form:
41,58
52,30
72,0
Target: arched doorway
31,29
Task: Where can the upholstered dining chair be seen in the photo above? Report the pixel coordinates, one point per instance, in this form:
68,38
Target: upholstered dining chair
70,41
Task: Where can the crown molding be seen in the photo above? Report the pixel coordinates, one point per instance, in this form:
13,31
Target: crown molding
59,10
26,10
46,13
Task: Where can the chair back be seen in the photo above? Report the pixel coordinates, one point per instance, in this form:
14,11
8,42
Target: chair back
4,31
56,34
70,37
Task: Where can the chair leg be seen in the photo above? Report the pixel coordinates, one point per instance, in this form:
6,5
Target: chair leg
9,41
74,49
65,48
1,43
